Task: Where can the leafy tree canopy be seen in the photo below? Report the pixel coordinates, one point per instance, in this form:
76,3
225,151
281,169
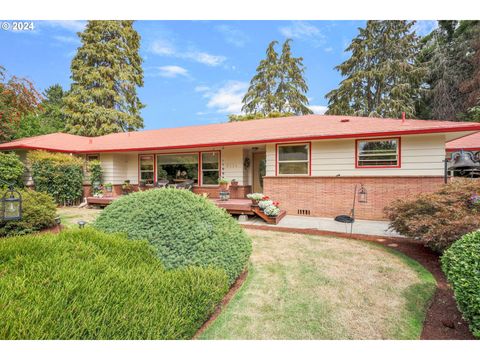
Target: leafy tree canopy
18,97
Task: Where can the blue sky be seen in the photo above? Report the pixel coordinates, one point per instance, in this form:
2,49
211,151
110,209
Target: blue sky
195,72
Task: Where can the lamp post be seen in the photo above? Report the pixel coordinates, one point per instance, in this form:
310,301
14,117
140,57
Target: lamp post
11,208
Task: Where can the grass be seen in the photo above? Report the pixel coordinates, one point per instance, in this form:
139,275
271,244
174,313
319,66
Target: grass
309,287
82,284
70,215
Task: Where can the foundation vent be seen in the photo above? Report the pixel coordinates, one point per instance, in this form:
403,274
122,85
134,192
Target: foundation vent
303,212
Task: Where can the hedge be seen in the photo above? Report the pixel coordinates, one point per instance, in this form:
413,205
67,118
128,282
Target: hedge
58,174
186,229
38,210
11,169
461,265
83,284
440,218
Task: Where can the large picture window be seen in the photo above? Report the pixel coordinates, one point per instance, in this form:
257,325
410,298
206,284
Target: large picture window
293,159
177,167
210,168
147,169
378,153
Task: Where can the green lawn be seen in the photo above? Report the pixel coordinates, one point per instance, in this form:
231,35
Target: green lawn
70,215
309,287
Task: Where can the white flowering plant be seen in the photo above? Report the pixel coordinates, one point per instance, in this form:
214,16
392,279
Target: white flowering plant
272,210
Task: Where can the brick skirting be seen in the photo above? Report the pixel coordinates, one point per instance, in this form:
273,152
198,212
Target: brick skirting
332,196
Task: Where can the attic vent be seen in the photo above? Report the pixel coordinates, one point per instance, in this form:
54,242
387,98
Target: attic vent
345,120
303,212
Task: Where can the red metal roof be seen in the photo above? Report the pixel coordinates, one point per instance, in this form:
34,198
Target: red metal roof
469,142
297,128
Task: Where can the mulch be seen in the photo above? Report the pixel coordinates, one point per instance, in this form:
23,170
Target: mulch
443,320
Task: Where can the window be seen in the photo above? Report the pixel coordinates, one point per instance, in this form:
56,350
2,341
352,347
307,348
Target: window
177,167
147,169
210,168
378,153
91,157
293,159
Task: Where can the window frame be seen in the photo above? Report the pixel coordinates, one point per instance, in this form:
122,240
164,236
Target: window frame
200,167
140,169
308,161
399,154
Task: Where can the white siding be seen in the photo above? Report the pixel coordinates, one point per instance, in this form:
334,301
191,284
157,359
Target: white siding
232,164
270,157
421,155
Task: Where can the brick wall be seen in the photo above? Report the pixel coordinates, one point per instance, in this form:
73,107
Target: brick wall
332,196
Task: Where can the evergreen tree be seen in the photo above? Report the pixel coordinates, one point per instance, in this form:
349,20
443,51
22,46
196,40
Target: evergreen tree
278,86
49,120
106,72
381,78
452,54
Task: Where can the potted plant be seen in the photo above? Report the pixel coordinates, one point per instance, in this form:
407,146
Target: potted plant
108,187
234,182
272,211
127,188
255,197
223,184
98,193
264,203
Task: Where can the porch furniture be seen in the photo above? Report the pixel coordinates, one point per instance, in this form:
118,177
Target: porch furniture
186,185
162,183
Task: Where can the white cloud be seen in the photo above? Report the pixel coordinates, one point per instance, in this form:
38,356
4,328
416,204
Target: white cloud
318,109
204,58
70,25
162,47
304,31
67,39
165,47
424,27
226,99
171,71
233,35
328,49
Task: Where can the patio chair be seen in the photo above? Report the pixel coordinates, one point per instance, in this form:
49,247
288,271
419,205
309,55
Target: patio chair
162,183
186,185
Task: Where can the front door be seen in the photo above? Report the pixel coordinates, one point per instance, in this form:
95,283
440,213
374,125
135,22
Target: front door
259,167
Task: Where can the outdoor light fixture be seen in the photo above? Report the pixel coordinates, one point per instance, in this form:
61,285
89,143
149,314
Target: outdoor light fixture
362,194
81,224
11,204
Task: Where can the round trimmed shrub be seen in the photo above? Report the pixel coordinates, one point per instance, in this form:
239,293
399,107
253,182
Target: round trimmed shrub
38,210
11,168
461,265
186,229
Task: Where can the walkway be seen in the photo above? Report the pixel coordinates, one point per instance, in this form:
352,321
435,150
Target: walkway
360,227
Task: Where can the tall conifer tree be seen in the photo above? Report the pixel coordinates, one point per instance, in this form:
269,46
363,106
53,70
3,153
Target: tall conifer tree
381,78
106,72
278,87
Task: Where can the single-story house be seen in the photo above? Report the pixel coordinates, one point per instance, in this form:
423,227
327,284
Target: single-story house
310,163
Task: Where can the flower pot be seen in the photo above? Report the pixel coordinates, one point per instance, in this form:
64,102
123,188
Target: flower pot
254,203
234,183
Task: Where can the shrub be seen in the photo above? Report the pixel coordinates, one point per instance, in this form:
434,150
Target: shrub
437,219
11,169
186,229
461,265
95,171
39,211
83,284
60,175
